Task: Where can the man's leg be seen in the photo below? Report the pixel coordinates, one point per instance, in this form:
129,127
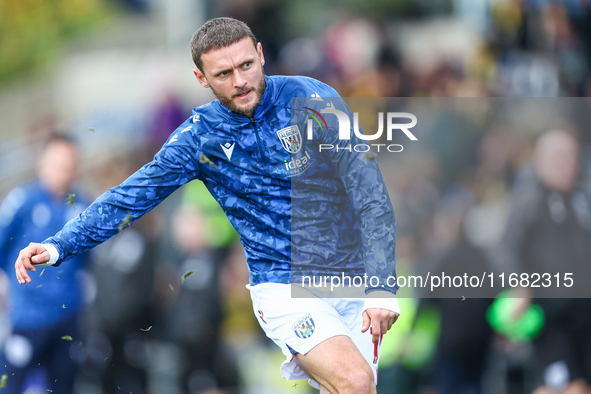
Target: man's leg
338,366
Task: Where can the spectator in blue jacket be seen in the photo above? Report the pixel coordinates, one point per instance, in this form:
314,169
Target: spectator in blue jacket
43,317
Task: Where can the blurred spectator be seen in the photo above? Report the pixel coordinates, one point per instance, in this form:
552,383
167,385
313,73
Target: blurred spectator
44,318
114,348
462,349
461,354
353,47
266,20
200,243
548,231
408,351
169,113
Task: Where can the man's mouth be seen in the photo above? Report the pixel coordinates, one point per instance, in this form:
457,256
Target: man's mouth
243,95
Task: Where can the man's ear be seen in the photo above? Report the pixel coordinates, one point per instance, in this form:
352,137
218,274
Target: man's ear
260,53
201,78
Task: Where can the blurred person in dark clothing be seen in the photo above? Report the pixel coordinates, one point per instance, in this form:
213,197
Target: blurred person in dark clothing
548,232
207,367
465,336
40,316
115,346
167,115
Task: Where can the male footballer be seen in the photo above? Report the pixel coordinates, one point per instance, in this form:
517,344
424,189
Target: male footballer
257,165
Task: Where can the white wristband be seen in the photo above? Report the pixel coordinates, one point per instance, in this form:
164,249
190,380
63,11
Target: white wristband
390,303
53,255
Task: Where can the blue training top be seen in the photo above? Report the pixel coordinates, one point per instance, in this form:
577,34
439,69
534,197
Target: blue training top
295,208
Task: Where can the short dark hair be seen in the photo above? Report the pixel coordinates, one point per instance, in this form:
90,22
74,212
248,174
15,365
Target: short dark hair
59,137
218,33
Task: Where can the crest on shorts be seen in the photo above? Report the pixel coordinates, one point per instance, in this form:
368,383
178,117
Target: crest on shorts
304,326
290,138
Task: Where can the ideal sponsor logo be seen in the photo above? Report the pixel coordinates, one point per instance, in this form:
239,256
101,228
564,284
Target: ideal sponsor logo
299,165
392,124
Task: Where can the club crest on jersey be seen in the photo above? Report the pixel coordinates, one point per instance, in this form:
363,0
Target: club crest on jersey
304,326
290,138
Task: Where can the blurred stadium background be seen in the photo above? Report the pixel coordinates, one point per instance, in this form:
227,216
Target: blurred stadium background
117,77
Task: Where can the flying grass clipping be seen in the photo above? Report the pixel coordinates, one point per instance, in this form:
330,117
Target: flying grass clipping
125,222
3,381
205,160
71,200
186,275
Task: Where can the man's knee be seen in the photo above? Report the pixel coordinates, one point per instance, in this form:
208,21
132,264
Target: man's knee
358,382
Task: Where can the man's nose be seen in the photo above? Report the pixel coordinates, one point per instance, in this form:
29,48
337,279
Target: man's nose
239,80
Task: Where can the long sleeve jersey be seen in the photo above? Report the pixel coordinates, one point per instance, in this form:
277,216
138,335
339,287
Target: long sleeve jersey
298,210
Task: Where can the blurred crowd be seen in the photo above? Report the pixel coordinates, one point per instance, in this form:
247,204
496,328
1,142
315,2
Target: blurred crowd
163,308
538,48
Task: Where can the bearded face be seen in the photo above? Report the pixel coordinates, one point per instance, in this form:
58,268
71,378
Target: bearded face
245,100
235,75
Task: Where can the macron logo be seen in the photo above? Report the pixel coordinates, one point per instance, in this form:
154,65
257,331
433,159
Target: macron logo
196,118
176,136
228,149
316,97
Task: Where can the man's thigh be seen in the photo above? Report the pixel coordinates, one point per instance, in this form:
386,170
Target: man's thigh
337,364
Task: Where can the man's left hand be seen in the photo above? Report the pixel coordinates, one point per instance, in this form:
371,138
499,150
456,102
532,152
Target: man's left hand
381,320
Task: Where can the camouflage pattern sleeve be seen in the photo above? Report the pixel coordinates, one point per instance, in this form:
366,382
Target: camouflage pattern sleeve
176,164
365,186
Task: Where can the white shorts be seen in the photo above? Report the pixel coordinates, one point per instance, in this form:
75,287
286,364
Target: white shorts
297,325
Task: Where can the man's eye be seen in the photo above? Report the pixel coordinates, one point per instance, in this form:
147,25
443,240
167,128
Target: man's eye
246,65
223,74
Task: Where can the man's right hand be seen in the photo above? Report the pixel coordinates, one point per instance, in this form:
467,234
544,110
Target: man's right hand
31,256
